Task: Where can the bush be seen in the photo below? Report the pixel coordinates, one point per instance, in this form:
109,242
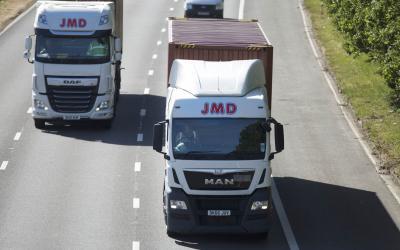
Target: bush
372,27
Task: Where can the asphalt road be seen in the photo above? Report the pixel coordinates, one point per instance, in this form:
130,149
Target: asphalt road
84,188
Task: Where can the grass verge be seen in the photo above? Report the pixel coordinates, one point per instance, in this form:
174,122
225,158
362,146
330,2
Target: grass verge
362,87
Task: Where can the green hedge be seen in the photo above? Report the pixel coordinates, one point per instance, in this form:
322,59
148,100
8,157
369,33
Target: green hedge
372,27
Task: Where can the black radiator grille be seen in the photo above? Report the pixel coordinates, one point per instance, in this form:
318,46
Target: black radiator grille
72,99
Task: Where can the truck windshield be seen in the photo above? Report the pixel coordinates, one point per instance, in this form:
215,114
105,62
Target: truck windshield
218,139
72,50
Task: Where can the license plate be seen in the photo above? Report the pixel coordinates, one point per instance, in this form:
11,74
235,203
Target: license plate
219,212
203,13
71,117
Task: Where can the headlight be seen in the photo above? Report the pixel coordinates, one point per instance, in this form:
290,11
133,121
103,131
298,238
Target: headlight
181,205
259,205
104,20
189,6
103,105
219,6
38,104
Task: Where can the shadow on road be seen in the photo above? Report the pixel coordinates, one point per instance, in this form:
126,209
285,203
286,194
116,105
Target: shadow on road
126,125
322,216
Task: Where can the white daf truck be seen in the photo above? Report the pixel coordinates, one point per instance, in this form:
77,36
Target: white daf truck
216,142
77,61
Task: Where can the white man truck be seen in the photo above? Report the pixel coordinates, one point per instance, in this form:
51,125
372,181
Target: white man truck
216,136
77,61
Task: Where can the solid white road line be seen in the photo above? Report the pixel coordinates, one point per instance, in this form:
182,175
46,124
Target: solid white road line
241,9
146,91
29,111
142,112
151,72
287,229
17,136
4,165
136,203
135,245
138,166
140,137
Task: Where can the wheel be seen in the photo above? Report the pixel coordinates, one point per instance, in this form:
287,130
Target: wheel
106,124
260,236
171,234
39,124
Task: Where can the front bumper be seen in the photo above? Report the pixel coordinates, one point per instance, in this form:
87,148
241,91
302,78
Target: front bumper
195,220
49,114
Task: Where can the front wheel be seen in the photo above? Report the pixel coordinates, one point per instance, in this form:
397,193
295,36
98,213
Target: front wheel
105,124
39,124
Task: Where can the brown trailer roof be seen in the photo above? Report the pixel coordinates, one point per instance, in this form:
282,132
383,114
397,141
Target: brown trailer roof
217,32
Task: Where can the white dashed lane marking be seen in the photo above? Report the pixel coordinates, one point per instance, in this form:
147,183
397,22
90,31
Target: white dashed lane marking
154,56
171,9
138,166
159,42
163,30
136,245
29,110
151,72
136,203
142,112
146,91
4,165
17,136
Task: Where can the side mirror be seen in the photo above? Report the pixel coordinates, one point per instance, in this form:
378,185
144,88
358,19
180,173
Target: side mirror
158,136
28,43
279,136
118,56
118,45
28,47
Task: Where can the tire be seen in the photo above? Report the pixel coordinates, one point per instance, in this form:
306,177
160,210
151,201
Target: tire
106,124
39,124
172,234
260,236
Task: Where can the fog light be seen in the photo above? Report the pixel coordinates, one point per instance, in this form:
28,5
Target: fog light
38,104
178,205
259,205
103,106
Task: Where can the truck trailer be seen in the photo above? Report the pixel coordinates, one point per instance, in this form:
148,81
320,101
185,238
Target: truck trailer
216,134
77,61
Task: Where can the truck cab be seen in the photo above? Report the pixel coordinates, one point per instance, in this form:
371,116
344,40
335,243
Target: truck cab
77,58
216,142
204,8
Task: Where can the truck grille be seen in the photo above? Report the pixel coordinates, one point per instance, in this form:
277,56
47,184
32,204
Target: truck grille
72,99
229,181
